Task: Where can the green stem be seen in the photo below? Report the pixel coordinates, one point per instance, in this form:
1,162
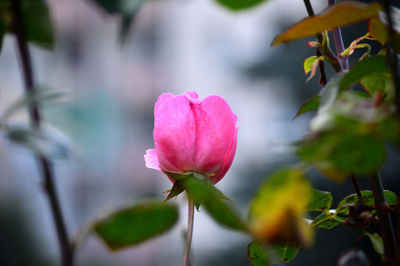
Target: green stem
385,221
189,233
35,119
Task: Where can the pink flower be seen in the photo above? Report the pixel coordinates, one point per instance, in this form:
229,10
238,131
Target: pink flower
192,135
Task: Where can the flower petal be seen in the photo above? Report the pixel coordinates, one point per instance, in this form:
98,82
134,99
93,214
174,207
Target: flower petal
227,161
161,100
151,159
174,134
215,132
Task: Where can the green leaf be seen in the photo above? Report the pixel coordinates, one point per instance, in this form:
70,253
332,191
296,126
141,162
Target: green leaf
262,255
257,254
320,201
308,62
374,64
285,252
368,199
376,241
328,220
311,104
46,141
202,192
238,5
338,15
136,224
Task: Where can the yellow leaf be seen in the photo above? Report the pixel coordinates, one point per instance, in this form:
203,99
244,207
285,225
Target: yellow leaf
276,212
339,15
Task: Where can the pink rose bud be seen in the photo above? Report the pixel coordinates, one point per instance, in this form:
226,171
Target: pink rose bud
192,135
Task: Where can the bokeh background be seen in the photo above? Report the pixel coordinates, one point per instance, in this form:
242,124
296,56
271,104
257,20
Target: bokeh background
173,46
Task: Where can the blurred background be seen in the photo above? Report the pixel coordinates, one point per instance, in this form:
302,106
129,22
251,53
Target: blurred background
173,46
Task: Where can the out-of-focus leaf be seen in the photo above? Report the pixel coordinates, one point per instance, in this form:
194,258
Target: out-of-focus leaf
275,213
3,30
376,241
37,24
330,92
46,141
202,192
379,83
119,7
348,135
136,224
311,104
320,201
42,96
374,64
338,15
264,255
344,152
126,9
378,30
238,5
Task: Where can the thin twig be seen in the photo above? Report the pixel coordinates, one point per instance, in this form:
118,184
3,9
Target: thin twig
385,221
357,188
189,233
35,119
321,65
324,48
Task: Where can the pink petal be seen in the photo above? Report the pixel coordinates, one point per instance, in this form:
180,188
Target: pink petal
174,134
227,161
192,97
161,100
215,132
151,159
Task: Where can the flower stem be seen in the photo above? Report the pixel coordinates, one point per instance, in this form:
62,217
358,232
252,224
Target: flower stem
385,221
189,233
35,119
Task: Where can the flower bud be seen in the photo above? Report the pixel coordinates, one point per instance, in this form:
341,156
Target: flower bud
192,135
